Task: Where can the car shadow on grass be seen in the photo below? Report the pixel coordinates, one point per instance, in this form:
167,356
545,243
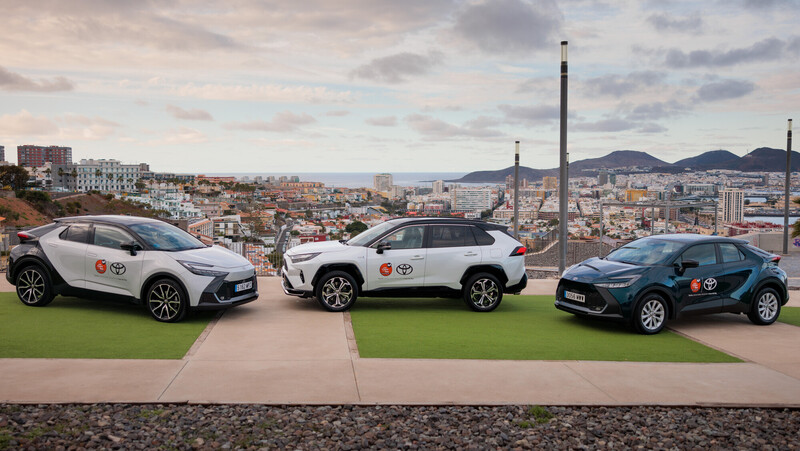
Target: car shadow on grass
117,307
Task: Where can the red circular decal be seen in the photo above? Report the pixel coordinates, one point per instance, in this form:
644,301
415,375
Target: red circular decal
386,269
100,266
695,286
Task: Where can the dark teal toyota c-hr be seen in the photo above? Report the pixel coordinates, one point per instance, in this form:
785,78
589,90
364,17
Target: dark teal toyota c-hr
662,277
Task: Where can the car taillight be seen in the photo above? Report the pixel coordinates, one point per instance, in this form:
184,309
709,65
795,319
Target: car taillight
519,250
23,237
776,259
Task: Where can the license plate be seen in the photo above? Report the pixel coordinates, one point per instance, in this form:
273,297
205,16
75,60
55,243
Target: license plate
574,296
243,286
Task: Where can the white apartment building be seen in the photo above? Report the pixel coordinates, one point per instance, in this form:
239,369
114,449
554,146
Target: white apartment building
472,199
382,182
101,175
438,187
732,203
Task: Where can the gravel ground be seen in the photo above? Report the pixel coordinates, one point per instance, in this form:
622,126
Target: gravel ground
126,426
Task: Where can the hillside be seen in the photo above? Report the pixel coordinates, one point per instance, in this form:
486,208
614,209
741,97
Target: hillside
21,213
764,159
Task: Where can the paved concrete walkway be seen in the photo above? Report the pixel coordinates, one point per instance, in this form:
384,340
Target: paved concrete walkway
284,350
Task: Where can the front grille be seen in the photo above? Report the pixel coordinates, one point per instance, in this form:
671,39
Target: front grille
594,301
226,291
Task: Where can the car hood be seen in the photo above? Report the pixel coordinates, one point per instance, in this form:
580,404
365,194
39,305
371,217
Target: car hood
595,269
215,256
319,246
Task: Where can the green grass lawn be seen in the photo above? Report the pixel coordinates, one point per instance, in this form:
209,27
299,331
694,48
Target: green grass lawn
522,328
790,315
78,328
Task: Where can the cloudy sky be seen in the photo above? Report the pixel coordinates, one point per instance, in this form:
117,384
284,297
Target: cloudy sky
388,85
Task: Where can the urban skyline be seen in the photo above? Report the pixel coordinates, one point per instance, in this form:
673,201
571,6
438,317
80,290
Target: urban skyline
363,86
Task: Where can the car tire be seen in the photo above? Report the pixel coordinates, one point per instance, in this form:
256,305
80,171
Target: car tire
483,292
166,301
336,291
766,307
650,315
33,286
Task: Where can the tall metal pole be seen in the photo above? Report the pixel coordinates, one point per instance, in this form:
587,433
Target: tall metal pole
716,216
563,200
602,222
516,193
786,193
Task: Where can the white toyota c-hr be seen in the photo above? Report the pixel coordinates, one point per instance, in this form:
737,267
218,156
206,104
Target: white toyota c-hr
140,259
410,257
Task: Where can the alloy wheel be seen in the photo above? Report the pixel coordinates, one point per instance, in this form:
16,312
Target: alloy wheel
337,292
484,293
30,286
652,314
767,306
164,302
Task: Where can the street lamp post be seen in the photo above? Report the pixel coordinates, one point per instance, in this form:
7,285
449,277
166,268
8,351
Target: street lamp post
564,160
516,193
786,193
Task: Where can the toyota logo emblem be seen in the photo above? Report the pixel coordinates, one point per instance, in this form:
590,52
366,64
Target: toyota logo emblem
710,283
118,268
405,269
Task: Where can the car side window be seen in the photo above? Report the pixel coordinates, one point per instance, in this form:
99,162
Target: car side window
78,233
730,253
451,236
481,237
705,254
110,237
406,238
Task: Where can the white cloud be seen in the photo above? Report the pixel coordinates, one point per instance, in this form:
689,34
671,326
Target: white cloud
265,93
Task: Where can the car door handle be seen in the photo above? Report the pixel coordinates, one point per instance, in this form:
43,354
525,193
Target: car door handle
417,257
470,254
91,254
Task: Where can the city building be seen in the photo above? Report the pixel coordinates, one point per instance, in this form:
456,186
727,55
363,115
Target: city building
101,175
438,187
36,156
635,195
2,153
732,203
602,177
550,183
382,182
472,199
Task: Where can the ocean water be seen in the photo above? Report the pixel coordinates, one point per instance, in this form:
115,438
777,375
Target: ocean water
354,179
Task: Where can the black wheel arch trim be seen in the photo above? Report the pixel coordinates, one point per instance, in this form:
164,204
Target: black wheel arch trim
39,260
349,268
163,275
672,308
495,270
774,283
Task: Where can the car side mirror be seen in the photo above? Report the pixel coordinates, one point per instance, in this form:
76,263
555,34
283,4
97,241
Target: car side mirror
382,246
680,267
131,246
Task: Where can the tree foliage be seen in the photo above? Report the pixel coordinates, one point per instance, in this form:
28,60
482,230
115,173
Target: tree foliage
355,227
15,177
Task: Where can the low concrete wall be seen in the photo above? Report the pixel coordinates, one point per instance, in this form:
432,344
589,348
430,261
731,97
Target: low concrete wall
772,242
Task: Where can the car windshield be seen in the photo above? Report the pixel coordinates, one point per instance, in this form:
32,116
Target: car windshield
646,252
165,237
370,234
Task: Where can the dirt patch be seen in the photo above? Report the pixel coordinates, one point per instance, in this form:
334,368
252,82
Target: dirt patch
19,213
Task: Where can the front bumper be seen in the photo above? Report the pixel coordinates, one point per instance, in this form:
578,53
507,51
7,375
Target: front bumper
221,294
598,302
290,290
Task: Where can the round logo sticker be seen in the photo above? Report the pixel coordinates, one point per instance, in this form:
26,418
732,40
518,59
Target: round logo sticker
386,269
100,266
695,286
710,283
404,269
118,268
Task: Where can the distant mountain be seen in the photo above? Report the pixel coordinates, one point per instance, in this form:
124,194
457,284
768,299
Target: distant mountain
763,159
618,159
709,160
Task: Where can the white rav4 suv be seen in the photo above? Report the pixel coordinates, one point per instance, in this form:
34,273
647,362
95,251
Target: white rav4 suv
144,260
417,257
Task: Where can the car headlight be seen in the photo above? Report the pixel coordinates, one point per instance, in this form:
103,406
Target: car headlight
299,258
619,282
201,269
